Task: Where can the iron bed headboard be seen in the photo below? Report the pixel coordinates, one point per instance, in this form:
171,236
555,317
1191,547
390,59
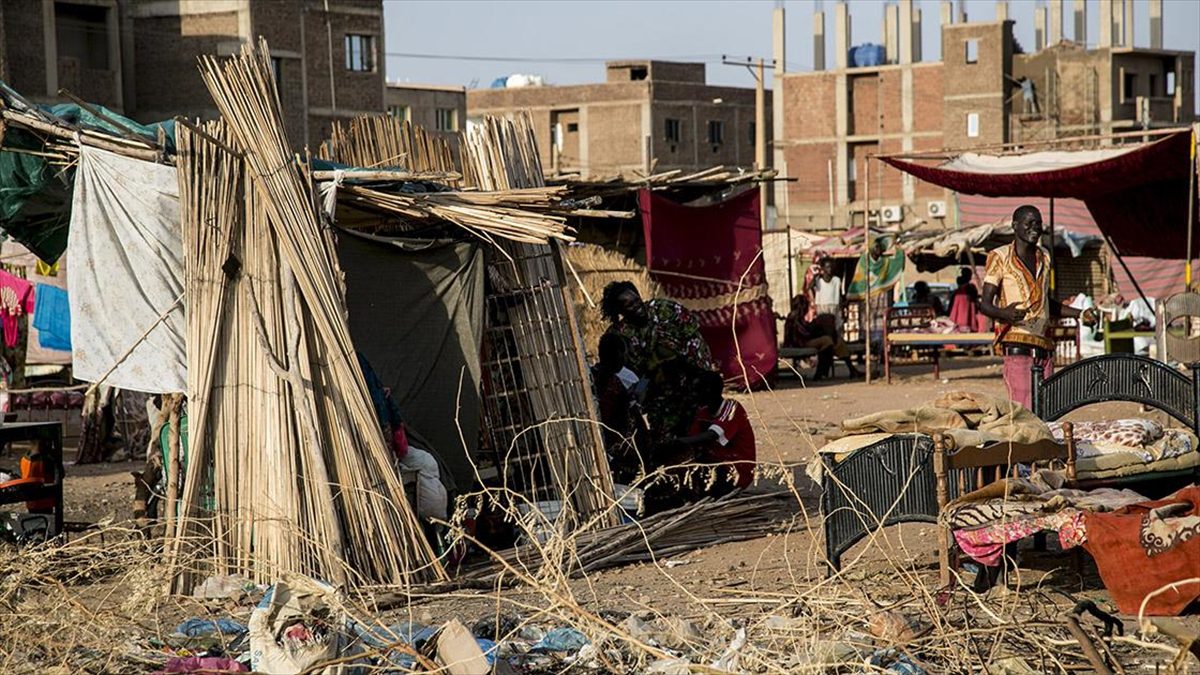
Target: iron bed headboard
1119,377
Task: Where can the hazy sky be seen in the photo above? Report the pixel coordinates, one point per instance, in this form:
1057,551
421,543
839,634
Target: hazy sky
567,41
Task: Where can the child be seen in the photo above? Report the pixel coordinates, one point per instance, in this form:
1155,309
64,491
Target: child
720,436
617,389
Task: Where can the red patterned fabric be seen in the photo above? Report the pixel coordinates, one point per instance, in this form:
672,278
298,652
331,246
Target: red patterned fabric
706,258
1138,193
1136,558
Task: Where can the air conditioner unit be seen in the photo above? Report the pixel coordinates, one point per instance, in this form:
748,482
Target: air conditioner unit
892,214
937,209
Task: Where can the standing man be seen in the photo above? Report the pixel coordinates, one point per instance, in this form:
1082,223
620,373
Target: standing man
1016,294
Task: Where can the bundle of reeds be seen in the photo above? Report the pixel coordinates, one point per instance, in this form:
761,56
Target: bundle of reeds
516,215
386,141
283,419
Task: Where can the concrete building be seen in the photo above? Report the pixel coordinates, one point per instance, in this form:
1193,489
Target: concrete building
139,57
434,107
647,115
984,92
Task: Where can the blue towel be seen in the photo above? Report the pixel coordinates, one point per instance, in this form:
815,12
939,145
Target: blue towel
52,317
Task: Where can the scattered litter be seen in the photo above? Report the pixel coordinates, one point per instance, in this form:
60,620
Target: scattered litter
292,629
202,664
196,627
459,652
225,586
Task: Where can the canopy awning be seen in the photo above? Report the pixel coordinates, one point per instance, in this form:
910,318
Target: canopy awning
1138,196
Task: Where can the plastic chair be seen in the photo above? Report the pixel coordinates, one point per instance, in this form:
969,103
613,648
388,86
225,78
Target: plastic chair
1173,347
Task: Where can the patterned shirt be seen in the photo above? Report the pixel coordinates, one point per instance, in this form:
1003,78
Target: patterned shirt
1029,290
670,331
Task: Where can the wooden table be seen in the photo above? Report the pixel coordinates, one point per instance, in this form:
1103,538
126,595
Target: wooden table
48,436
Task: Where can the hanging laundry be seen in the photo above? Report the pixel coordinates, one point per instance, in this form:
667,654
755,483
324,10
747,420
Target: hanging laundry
126,274
16,300
52,318
45,269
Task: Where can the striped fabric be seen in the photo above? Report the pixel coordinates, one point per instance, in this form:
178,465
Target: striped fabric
1158,278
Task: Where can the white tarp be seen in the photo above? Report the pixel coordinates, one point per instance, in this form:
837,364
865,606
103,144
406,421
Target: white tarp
126,273
1033,162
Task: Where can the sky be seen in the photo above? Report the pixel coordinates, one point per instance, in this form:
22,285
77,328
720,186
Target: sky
473,42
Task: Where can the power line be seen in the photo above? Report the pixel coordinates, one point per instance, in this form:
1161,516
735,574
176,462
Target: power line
548,59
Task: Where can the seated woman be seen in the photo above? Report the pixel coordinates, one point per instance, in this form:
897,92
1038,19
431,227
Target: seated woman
964,304
798,332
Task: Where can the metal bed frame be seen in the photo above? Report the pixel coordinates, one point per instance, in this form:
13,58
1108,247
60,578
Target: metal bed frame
894,481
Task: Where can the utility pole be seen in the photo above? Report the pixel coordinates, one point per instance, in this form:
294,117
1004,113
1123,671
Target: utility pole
760,126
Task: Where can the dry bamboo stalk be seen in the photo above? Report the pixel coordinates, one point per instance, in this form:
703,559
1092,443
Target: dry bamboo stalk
382,541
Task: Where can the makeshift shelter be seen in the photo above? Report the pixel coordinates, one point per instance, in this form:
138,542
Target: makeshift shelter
1126,188
284,468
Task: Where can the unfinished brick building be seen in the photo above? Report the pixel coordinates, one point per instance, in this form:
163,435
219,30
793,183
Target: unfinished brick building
646,114
139,57
984,92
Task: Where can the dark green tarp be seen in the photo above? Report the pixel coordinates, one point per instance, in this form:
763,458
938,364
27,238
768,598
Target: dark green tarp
416,314
35,197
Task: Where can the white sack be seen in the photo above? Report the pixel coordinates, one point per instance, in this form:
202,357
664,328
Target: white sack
126,271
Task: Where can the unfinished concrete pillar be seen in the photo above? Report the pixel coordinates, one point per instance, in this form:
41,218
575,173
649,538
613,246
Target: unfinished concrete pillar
961,17
905,24
891,21
947,12
841,35
1156,24
1039,28
1127,24
779,38
818,40
1002,10
916,35
1106,23
1055,35
1081,22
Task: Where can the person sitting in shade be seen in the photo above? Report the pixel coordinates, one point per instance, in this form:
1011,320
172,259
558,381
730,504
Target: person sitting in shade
922,295
964,303
797,332
433,499
1016,294
720,439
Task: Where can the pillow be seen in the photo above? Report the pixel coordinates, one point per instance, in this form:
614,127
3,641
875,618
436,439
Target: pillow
1130,433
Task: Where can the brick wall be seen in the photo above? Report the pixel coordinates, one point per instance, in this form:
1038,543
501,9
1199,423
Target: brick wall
23,48
614,138
809,101
167,77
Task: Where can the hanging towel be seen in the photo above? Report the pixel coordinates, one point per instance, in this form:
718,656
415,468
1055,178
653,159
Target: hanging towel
16,300
52,318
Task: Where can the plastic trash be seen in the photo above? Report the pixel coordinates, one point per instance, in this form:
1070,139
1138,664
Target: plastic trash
562,640
197,627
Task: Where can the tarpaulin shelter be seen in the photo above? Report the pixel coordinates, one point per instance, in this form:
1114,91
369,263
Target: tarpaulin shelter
1142,197
35,190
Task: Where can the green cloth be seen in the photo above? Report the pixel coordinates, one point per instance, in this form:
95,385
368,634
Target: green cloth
207,500
35,197
885,273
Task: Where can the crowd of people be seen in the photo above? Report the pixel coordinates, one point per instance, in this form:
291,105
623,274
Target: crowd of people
662,403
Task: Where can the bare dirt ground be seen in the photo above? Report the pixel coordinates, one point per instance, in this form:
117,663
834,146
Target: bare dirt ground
781,575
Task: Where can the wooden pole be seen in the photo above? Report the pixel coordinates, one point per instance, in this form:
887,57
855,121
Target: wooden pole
866,317
760,141
1187,272
1053,280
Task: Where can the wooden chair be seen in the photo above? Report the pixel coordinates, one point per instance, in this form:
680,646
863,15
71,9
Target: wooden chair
968,469
1067,346
1176,346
